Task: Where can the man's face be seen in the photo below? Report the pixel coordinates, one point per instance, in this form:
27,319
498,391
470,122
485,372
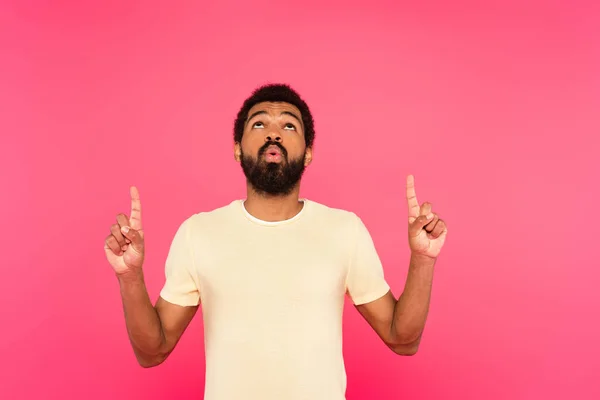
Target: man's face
273,152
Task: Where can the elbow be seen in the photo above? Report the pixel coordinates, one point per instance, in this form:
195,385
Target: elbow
150,361
144,363
405,349
408,347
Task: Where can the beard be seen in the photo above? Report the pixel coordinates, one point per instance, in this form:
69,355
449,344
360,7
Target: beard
275,179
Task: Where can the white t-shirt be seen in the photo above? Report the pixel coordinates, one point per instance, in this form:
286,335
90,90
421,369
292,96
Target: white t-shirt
272,296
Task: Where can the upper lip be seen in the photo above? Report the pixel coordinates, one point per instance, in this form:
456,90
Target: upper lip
273,150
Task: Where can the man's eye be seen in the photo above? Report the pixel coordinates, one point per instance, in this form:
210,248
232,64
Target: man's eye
258,125
290,126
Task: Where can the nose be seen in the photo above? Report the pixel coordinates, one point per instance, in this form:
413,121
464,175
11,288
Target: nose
273,136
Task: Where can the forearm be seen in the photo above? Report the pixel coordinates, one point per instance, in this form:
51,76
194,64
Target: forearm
410,312
142,320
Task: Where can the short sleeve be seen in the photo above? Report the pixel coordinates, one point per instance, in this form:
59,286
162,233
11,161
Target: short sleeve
365,281
180,287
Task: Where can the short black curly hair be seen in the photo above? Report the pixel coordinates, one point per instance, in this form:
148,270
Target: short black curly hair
277,92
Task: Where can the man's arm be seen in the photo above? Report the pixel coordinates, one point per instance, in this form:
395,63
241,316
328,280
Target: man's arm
400,323
153,331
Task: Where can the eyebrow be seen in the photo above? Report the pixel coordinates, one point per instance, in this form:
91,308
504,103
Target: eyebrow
282,113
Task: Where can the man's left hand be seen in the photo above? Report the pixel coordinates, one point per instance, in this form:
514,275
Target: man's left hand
426,231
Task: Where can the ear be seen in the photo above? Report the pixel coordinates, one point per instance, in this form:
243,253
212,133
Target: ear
308,156
237,152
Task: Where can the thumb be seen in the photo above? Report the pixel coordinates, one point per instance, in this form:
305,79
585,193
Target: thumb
419,223
134,236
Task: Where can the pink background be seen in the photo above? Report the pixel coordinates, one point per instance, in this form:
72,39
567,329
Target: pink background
494,108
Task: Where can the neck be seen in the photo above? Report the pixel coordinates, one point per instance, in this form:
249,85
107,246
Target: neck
272,208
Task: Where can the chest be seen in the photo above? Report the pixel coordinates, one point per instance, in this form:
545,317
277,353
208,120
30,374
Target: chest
291,267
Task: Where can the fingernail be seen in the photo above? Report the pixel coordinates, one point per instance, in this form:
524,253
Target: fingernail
125,229
123,248
430,215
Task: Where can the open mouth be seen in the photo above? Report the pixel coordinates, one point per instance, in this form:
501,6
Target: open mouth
273,154
273,151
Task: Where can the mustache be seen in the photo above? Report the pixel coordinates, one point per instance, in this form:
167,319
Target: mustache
264,148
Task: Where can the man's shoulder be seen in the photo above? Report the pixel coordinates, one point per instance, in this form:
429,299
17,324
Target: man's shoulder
337,214
217,215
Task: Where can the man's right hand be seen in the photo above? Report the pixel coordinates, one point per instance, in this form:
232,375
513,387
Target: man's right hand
124,247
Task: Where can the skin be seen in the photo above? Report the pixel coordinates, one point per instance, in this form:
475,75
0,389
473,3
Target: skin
275,124
154,330
400,322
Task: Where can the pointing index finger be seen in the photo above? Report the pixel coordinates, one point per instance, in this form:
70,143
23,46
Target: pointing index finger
135,218
411,197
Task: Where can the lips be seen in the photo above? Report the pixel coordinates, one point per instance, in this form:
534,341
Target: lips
273,151
273,154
